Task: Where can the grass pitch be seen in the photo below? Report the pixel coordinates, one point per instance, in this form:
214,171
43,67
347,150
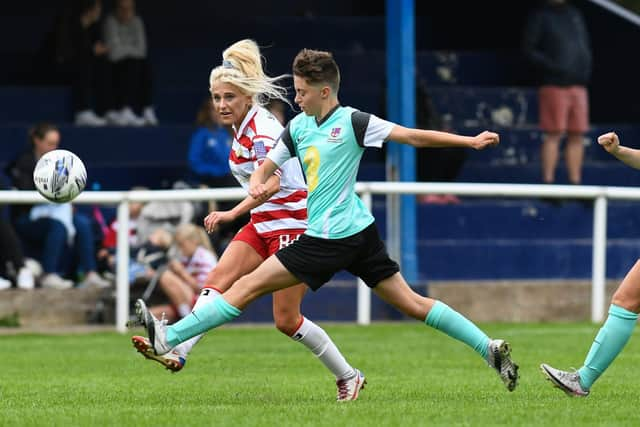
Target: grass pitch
255,376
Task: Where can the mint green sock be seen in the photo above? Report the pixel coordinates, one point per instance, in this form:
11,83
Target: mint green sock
212,315
609,342
454,324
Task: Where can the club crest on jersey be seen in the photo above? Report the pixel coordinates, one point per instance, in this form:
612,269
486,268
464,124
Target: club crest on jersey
334,136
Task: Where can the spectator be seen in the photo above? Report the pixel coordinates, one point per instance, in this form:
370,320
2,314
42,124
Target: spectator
208,159
126,41
209,150
13,265
556,43
106,253
434,164
184,279
79,58
48,228
146,259
167,215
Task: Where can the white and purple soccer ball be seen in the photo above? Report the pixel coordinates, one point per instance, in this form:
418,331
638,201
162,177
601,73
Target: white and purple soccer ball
60,176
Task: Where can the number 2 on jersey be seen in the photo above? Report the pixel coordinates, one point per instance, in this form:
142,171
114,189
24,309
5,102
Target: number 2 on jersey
312,165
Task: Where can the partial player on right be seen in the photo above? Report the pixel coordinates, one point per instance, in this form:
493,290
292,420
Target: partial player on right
623,311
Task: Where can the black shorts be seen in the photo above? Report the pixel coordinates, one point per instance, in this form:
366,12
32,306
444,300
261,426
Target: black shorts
314,261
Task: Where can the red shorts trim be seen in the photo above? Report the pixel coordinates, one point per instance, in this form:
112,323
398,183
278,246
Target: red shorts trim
264,245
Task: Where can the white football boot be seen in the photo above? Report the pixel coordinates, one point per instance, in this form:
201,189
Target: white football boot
349,389
156,329
172,360
569,382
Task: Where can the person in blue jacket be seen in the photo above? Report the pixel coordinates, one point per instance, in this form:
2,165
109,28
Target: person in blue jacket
209,150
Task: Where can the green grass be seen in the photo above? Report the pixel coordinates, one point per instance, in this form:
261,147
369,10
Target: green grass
255,376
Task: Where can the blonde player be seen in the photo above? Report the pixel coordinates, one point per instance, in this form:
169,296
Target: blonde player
329,140
239,89
623,311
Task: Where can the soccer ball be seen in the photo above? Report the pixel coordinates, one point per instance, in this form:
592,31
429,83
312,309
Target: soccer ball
60,176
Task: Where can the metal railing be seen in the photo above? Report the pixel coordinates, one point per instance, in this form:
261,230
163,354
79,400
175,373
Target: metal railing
366,189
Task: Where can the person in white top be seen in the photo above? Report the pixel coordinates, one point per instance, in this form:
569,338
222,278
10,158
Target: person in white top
126,41
183,280
240,88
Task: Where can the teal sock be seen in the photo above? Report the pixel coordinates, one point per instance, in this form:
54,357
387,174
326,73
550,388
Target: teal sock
212,315
454,324
609,342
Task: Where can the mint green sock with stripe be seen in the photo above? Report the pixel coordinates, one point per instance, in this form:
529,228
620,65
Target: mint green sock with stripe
445,319
212,315
609,342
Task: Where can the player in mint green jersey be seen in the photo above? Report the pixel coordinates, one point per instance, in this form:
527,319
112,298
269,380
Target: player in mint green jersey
623,311
329,139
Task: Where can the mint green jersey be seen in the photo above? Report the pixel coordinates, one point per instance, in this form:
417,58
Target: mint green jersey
330,153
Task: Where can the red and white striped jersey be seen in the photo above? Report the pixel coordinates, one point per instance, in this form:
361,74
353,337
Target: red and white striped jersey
200,264
287,209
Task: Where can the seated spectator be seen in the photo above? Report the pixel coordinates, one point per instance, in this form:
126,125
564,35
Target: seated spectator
209,150
167,215
13,266
145,219
126,41
146,259
50,228
110,233
75,54
184,278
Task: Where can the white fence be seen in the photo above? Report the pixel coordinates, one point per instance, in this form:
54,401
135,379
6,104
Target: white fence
366,190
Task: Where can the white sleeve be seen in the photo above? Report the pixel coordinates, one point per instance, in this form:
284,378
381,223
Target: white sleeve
279,154
377,132
284,149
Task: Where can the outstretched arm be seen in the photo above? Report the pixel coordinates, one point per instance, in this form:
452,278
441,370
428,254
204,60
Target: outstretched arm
431,138
611,143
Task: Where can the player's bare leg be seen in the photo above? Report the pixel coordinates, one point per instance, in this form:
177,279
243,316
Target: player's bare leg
610,341
290,321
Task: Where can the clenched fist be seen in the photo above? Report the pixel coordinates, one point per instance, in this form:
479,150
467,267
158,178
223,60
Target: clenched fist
485,139
610,142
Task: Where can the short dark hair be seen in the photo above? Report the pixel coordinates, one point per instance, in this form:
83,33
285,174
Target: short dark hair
316,66
40,130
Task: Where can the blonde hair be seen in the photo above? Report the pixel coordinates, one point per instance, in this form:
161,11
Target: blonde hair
242,67
195,234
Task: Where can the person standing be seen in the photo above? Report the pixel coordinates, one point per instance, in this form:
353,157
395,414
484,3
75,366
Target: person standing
557,44
126,40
